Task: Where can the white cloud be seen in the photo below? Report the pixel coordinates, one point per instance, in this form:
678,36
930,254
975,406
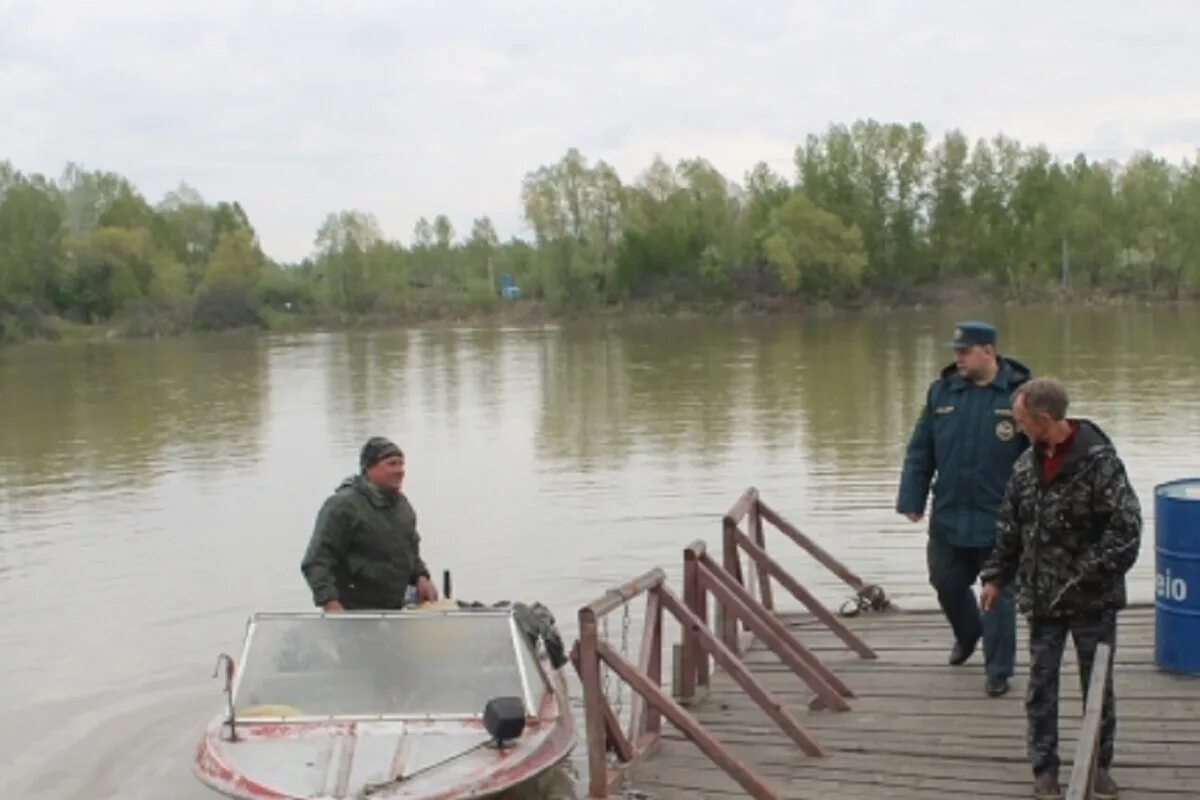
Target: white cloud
411,109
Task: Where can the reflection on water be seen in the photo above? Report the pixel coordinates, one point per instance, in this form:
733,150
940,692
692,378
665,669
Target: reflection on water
108,413
156,493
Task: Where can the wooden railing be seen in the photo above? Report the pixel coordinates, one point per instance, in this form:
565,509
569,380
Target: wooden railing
703,576
735,541
1087,749
650,702
749,606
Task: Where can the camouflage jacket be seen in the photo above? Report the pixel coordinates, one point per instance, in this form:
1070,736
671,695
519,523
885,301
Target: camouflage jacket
365,550
1070,542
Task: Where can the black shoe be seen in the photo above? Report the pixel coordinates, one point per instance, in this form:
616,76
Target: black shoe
961,652
997,687
1104,787
1046,787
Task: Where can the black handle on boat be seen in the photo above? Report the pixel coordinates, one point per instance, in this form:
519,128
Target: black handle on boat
446,584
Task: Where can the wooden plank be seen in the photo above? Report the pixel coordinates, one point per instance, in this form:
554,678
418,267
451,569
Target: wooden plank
619,596
760,538
931,779
922,729
1087,751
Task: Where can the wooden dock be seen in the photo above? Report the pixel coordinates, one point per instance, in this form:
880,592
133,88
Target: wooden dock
920,728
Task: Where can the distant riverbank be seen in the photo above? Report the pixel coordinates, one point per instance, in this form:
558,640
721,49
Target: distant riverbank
22,324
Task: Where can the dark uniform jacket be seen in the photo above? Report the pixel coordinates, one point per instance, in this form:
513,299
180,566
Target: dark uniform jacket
1068,542
365,550
967,438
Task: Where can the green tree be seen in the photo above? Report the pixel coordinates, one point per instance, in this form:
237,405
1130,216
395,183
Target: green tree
236,263
183,227
126,209
88,194
1150,245
481,249
872,176
991,176
1185,218
575,213
907,165
949,221
342,242
110,266
1092,224
765,192
32,254
442,251
812,250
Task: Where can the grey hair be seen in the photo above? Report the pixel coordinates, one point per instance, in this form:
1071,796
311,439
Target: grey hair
1044,395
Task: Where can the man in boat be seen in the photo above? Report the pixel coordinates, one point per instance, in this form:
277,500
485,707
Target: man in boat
1069,529
365,552
966,437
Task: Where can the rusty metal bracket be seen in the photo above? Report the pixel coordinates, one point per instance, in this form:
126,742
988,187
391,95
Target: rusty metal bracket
227,660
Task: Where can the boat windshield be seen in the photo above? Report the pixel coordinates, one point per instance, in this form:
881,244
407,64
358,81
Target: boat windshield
395,664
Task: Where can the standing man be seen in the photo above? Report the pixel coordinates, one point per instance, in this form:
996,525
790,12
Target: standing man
365,551
967,438
1069,529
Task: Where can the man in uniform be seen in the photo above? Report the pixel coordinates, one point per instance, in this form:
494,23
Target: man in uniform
964,444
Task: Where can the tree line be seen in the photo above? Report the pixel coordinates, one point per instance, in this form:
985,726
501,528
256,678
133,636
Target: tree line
871,211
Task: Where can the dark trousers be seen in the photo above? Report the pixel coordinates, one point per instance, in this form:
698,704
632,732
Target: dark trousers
1047,637
953,572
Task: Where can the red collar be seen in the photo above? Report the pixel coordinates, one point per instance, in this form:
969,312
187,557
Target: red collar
1052,462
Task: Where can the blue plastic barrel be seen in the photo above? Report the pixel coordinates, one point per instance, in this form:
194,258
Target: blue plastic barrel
1177,576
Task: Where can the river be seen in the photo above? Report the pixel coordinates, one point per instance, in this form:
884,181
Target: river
156,493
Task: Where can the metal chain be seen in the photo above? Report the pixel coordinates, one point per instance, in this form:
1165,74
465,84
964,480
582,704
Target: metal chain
627,790
869,598
608,686
605,672
625,621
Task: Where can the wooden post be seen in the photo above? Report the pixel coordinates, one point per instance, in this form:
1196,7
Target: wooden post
677,673
689,649
653,716
742,506
593,702
1087,749
700,658
760,538
732,562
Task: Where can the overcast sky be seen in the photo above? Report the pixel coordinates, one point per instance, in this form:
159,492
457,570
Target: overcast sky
406,109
